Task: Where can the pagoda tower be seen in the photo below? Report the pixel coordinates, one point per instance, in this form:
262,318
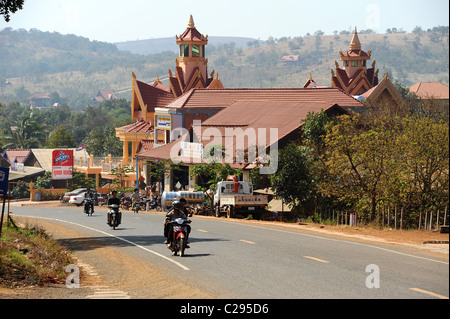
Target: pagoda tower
191,69
354,77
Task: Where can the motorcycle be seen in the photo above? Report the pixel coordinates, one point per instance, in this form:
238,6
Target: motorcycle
89,206
114,216
178,244
155,203
136,206
125,202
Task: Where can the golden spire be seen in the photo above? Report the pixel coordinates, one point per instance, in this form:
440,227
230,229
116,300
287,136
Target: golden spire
355,44
191,22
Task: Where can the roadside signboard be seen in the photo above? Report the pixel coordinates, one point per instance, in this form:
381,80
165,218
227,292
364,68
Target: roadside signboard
4,176
62,164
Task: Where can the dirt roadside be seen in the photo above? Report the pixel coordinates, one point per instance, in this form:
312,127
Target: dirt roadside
132,272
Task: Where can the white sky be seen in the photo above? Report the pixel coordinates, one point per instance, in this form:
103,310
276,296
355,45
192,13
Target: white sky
119,20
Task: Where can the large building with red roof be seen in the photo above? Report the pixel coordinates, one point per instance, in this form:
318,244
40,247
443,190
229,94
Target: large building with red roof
167,116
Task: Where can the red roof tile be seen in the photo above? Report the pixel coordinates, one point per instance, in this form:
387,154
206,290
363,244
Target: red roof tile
436,90
153,96
137,127
285,117
19,154
222,98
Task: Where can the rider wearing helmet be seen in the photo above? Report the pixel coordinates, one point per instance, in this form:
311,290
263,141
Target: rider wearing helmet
88,195
176,212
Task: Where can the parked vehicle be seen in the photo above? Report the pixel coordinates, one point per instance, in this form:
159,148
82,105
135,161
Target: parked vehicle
125,202
89,206
102,199
155,203
178,244
68,195
191,198
114,216
77,196
235,197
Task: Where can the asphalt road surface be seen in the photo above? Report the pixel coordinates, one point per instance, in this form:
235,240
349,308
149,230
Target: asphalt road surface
232,259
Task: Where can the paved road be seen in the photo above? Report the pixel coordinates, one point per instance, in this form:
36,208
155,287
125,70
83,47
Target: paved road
242,260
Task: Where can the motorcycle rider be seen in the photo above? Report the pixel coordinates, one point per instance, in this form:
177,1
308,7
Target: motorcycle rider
89,195
113,199
135,197
176,212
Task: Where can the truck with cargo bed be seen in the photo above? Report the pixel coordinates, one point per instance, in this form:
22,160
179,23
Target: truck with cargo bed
235,198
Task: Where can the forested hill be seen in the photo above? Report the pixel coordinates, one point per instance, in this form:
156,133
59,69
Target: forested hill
76,68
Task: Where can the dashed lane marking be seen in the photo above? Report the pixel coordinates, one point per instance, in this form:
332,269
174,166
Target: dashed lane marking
247,241
317,259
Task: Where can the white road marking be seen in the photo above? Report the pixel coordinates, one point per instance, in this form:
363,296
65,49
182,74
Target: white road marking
344,241
103,292
111,235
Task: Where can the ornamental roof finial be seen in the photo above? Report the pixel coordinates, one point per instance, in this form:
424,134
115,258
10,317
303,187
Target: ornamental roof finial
191,22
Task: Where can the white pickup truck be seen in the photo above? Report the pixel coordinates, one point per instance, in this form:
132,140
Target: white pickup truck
233,197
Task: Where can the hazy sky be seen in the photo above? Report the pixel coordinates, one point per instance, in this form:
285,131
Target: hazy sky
123,20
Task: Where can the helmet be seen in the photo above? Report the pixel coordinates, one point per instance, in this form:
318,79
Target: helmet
136,189
176,204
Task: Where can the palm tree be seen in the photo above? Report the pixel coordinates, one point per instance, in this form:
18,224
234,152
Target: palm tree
24,132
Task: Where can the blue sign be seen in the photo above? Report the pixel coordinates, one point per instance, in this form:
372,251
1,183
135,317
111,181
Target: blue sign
4,176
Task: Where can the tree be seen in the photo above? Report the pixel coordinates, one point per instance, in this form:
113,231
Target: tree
293,181
60,138
427,160
358,156
7,7
25,132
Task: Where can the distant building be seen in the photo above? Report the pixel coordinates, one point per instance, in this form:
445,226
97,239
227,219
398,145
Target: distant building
354,77
40,100
358,80
431,90
104,95
290,59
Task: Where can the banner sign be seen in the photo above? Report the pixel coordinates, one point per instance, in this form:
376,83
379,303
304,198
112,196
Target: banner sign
163,121
62,164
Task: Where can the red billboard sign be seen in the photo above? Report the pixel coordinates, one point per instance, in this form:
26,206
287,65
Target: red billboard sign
62,164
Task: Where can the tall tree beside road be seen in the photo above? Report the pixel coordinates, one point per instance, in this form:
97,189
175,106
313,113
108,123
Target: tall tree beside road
293,180
396,160
358,156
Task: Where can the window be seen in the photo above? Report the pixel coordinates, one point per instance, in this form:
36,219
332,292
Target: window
203,51
354,63
186,50
364,62
181,50
346,63
195,50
